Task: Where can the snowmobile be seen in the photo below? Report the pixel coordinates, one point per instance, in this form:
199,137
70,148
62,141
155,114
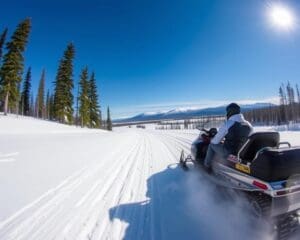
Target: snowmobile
265,170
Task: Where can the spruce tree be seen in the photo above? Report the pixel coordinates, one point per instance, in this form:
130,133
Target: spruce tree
63,96
36,107
283,105
18,101
77,106
298,93
298,102
12,67
282,95
2,41
31,105
291,102
47,107
51,108
25,96
84,101
95,115
108,121
290,94
40,105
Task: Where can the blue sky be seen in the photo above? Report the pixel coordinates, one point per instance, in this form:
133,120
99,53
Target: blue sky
156,55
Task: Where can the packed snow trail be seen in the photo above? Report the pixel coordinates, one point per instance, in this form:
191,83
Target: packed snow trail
83,184
90,203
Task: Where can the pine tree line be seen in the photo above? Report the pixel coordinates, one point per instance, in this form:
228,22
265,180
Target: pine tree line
17,97
287,111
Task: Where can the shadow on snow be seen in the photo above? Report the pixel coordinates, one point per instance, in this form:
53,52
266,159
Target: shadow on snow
183,205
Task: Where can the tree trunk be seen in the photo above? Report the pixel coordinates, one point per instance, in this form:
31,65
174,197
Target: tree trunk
17,108
6,103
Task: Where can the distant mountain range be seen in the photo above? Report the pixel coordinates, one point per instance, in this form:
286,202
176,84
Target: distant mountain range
185,113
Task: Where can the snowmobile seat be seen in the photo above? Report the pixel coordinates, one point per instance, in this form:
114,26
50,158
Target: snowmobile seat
256,142
276,164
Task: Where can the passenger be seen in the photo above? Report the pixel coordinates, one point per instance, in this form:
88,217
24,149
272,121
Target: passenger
235,131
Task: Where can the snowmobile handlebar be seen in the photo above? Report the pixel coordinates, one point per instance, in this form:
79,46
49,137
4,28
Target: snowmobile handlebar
203,129
209,132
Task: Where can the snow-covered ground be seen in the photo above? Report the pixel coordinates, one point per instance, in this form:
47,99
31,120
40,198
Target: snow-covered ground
62,182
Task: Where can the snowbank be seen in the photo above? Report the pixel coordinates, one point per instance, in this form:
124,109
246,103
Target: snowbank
13,124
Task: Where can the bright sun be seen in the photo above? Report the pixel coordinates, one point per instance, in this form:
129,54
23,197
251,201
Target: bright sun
281,17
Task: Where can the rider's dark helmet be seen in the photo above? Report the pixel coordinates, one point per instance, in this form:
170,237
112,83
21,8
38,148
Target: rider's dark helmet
232,109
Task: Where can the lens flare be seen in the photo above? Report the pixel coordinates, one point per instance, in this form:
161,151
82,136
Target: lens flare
281,17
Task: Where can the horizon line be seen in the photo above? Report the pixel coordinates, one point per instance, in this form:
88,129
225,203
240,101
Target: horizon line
167,107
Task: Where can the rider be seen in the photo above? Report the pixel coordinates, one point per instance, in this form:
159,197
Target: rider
235,131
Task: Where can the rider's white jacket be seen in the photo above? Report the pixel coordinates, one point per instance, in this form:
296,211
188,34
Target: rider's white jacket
228,124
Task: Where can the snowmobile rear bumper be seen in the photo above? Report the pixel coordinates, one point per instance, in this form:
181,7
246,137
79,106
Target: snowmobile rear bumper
286,204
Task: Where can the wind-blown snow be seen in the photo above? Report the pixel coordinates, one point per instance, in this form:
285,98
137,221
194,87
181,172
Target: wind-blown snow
62,182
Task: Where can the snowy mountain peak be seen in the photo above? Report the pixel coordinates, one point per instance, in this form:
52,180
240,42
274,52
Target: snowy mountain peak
188,112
